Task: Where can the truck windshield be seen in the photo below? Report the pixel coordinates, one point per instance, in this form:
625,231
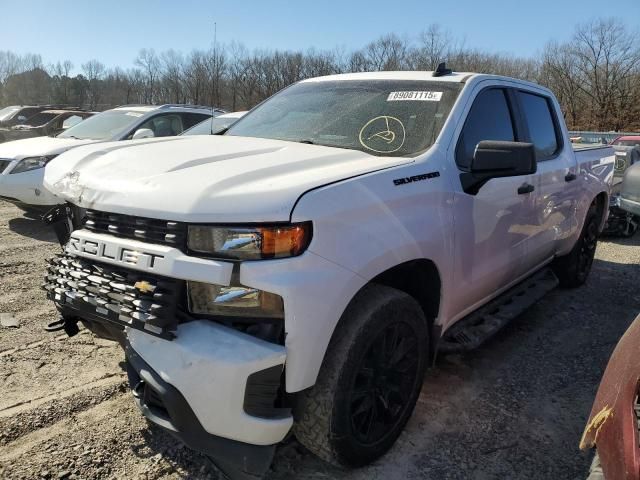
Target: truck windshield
104,126
380,117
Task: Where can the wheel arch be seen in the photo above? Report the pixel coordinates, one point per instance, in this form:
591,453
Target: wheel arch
420,279
602,201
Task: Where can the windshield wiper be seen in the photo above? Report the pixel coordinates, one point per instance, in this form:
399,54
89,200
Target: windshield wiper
308,142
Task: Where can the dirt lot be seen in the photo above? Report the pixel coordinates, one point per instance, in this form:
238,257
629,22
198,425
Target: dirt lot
513,409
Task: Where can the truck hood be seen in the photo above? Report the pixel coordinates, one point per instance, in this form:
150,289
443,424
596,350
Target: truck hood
35,147
203,178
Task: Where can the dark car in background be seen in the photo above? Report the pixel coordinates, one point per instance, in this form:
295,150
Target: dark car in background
47,122
17,114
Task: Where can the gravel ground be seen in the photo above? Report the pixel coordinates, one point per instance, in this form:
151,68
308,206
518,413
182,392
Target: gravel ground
514,408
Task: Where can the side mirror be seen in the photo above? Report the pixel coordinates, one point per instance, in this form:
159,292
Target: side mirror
143,133
496,159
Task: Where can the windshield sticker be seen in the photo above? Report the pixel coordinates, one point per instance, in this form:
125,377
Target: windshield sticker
414,97
134,114
383,134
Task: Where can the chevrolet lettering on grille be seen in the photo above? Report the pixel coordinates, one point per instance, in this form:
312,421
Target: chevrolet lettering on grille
113,253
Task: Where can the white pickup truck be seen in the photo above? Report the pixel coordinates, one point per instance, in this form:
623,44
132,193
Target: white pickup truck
299,273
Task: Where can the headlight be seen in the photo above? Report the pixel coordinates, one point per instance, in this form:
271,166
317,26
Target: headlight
250,243
237,301
32,163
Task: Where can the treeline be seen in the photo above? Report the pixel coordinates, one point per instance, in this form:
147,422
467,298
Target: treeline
596,74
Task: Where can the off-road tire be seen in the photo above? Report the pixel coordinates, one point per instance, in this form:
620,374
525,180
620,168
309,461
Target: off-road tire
325,422
573,269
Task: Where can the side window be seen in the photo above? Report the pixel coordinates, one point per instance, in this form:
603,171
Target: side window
538,114
488,119
191,119
71,121
164,125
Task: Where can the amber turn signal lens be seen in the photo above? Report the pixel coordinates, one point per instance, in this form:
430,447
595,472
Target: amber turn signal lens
287,241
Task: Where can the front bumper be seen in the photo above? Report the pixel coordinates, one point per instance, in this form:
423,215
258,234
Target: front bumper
210,365
27,188
166,406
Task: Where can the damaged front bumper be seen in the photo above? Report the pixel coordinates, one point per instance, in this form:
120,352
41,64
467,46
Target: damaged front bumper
218,389
200,386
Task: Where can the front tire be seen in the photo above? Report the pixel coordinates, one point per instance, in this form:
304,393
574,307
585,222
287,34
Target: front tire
573,269
370,379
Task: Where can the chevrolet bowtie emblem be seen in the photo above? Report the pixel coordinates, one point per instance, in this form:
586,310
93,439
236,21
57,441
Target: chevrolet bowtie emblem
144,287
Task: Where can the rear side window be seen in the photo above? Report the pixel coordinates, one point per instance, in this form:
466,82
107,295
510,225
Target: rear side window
489,119
539,116
191,119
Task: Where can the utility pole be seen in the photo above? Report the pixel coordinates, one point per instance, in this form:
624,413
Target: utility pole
214,82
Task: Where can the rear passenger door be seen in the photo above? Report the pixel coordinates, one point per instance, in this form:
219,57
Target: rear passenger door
555,176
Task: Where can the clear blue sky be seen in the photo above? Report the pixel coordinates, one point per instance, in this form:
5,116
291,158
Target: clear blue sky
113,31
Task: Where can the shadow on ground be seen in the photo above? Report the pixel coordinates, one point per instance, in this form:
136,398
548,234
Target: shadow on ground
32,228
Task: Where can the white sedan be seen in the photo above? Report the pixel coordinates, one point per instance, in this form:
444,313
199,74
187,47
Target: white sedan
22,161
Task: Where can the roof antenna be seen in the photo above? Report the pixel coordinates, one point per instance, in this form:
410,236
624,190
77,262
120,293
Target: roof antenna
442,70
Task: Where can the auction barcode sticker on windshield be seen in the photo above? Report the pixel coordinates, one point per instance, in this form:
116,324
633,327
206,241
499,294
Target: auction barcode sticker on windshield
414,96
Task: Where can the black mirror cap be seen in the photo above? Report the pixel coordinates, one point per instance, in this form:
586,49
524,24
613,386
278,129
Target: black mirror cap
495,159
517,158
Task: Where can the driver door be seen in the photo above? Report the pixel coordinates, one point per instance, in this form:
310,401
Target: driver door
494,226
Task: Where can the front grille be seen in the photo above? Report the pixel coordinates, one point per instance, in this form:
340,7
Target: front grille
149,230
123,297
4,164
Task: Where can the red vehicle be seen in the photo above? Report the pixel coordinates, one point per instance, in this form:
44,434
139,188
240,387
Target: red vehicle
627,141
612,428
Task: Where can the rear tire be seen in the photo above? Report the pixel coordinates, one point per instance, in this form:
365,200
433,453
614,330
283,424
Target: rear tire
573,269
369,381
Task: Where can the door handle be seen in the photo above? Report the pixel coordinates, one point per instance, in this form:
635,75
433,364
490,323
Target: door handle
525,188
570,177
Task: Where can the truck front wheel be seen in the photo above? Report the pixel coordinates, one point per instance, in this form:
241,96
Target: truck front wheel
369,381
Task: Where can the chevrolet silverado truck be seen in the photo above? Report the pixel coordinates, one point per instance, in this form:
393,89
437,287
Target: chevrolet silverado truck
297,274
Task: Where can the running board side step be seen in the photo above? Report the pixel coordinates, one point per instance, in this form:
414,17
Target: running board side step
473,330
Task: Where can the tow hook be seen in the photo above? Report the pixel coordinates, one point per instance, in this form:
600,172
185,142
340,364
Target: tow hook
60,218
68,324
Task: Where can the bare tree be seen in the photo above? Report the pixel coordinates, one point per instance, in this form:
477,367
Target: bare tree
94,73
607,57
149,63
